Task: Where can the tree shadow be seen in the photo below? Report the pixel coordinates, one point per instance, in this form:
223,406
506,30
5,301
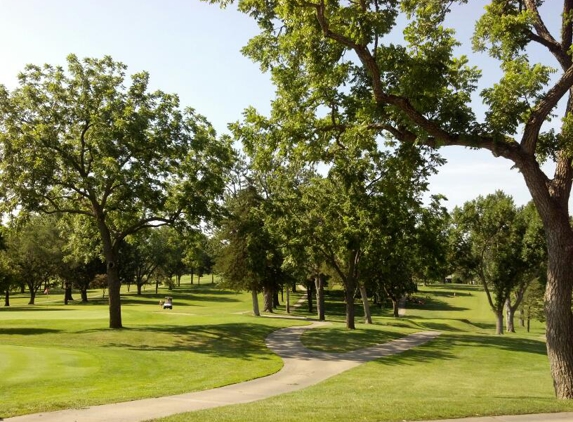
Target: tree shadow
235,340
442,348
430,303
28,331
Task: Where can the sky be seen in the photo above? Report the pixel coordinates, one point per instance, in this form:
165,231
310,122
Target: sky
193,49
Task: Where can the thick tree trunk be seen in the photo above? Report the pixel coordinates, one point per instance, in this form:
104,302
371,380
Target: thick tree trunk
309,297
395,307
7,298
139,289
267,299
365,304
114,296
113,282
510,327
255,300
68,293
84,294
32,297
559,331
499,321
319,284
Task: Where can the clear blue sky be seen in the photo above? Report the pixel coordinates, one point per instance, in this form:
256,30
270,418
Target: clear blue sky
193,49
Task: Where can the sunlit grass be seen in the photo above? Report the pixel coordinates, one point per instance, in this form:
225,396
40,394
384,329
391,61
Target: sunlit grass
466,371
54,356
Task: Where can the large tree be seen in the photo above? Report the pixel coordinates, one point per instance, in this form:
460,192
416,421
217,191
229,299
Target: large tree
85,140
394,66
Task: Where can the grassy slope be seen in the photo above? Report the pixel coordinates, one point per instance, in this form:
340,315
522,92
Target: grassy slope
466,371
54,356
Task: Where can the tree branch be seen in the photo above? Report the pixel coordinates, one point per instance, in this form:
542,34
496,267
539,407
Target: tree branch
542,110
545,38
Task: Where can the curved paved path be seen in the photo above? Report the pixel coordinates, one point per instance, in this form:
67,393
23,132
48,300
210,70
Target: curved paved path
302,368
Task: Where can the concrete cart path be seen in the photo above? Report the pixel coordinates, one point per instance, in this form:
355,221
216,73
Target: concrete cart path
302,368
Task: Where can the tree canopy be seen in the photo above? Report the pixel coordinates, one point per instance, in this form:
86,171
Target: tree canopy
85,140
393,67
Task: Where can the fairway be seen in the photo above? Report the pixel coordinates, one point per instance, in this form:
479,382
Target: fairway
54,357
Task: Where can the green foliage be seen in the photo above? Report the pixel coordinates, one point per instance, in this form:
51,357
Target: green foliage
80,137
500,245
83,141
248,257
34,251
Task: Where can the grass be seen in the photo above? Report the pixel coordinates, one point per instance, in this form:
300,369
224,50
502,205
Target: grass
54,357
466,371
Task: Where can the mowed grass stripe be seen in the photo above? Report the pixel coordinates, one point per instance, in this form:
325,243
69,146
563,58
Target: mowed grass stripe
21,364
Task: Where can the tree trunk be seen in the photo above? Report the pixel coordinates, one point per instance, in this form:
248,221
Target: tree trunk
521,318
349,292
139,289
7,298
192,271
212,278
255,299
499,321
84,294
365,304
288,301
510,327
319,284
395,307
32,296
68,293
309,297
559,331
110,253
267,299
276,302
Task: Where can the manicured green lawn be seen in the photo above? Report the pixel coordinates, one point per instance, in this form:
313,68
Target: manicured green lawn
54,356
467,371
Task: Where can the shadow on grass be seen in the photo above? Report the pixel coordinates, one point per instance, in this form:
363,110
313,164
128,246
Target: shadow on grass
240,340
339,340
429,303
28,331
443,347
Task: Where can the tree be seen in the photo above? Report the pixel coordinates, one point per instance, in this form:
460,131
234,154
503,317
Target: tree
493,231
248,258
80,141
34,250
406,80
534,256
